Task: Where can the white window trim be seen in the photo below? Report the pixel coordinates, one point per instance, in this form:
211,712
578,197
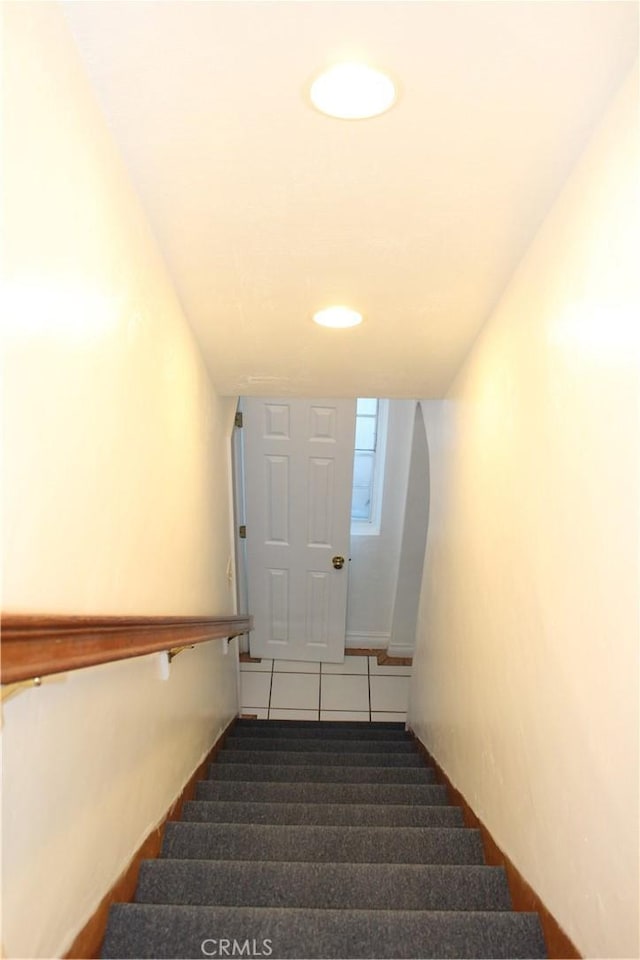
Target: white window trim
371,528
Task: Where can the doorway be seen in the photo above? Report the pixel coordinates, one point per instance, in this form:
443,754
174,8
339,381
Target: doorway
298,477
385,556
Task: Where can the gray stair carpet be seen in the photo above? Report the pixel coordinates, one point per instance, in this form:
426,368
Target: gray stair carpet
321,839
322,792
321,744
322,741
351,758
331,814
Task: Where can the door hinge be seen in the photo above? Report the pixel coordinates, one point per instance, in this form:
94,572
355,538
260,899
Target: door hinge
238,419
242,532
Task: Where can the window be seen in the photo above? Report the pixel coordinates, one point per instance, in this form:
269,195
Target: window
368,465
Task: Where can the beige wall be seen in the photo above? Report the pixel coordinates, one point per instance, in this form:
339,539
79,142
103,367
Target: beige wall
525,684
115,497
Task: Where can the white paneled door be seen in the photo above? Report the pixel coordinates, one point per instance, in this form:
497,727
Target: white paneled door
298,480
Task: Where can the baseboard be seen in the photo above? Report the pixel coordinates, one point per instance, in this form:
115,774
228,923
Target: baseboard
400,649
388,660
372,641
88,943
384,658
523,897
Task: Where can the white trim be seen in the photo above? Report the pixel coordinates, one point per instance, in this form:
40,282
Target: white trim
400,649
376,641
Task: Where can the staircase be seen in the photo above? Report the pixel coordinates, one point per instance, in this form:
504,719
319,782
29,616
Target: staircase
314,839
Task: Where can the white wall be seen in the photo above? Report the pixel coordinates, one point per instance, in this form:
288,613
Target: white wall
412,550
525,682
373,571
115,497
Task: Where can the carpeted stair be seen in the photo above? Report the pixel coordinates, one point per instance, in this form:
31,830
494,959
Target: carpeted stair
313,839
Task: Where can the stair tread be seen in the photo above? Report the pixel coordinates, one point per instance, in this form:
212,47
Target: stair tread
160,931
230,811
313,773
324,885
246,723
428,793
294,757
225,841
321,744
363,732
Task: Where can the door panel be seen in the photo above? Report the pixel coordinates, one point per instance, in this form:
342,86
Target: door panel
320,511
277,605
276,503
299,471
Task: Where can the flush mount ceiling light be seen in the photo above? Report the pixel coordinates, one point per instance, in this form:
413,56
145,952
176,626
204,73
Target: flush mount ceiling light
337,317
352,91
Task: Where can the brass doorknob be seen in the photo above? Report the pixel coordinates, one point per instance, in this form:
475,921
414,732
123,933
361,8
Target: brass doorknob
338,562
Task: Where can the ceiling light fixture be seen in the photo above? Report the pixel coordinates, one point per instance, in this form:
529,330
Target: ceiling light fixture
337,317
352,91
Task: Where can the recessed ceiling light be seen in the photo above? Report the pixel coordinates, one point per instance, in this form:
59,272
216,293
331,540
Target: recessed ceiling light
337,317
352,91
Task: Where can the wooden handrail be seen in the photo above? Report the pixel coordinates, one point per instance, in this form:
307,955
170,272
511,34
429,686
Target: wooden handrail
37,646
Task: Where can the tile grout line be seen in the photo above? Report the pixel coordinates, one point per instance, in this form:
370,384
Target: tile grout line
273,666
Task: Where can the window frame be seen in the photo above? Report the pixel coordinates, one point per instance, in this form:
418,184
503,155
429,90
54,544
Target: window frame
372,526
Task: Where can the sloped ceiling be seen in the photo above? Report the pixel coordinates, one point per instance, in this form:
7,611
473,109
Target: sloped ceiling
266,210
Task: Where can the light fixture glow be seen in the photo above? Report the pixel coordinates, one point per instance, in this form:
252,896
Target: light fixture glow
352,91
337,317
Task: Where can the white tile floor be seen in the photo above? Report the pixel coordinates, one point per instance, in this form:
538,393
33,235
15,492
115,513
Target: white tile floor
357,689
